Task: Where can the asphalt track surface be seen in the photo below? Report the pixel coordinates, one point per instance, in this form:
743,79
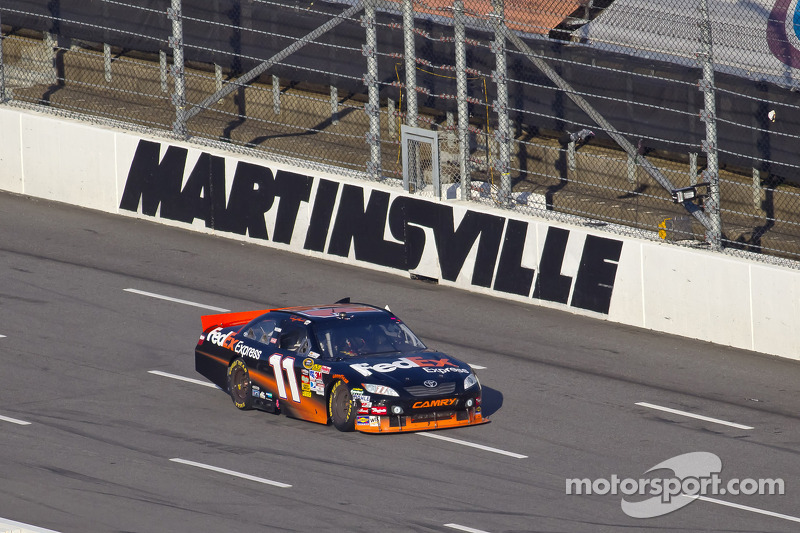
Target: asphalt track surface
98,451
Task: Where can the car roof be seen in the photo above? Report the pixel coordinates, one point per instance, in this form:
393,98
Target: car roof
318,312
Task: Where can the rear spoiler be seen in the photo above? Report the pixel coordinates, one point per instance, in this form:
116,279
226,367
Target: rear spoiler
231,319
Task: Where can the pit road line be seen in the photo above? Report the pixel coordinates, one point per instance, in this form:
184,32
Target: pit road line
181,378
473,445
465,528
11,526
692,415
231,473
14,421
743,507
177,300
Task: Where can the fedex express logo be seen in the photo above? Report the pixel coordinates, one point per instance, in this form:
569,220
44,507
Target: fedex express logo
216,337
434,365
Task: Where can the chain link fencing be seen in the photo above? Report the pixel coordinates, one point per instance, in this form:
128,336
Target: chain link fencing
673,120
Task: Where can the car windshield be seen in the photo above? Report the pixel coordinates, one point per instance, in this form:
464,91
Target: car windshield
365,336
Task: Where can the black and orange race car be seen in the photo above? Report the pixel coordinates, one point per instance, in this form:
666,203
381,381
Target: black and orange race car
354,365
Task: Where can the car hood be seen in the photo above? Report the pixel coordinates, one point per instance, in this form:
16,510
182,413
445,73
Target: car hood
409,368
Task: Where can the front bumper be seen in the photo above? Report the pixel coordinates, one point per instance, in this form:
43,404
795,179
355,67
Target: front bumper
421,422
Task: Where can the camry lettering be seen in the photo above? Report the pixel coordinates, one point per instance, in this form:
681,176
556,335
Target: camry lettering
435,403
405,362
446,370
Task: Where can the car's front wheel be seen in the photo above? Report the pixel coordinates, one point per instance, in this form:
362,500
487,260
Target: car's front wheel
239,385
341,407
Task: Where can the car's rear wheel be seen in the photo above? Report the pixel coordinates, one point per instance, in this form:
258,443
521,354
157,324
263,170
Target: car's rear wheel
239,385
341,407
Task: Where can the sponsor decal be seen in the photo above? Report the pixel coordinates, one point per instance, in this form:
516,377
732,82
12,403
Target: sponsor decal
313,355
435,403
246,351
325,369
374,421
227,341
307,394
430,383
341,377
362,420
378,410
304,378
305,386
384,229
405,362
314,374
308,363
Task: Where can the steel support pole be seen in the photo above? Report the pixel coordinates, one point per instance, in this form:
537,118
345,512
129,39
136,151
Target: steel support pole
178,72
461,97
502,160
373,106
709,115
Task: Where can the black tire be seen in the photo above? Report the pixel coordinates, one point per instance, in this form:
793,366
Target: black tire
239,385
342,409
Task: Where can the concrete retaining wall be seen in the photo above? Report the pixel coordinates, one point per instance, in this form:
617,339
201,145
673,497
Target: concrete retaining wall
694,293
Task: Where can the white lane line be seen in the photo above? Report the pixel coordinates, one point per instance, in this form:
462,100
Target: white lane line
473,445
692,415
2,336
743,507
465,528
10,526
181,378
477,367
14,421
231,473
177,300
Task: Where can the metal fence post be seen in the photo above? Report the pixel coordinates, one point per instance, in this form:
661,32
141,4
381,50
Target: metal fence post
107,62
463,105
373,105
410,63
178,72
334,105
410,55
2,67
708,115
502,135
276,95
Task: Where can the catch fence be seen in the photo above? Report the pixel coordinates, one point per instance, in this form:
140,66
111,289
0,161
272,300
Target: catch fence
676,119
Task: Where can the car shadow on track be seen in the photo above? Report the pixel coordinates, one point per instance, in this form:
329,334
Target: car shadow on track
491,400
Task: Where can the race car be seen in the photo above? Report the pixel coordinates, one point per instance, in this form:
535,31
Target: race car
353,365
